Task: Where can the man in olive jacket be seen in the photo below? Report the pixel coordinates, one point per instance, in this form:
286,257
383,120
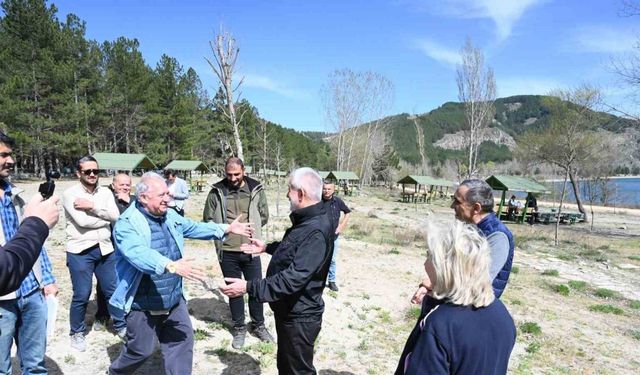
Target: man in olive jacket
239,196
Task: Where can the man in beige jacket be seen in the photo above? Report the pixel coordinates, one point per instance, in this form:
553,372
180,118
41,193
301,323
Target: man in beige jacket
89,209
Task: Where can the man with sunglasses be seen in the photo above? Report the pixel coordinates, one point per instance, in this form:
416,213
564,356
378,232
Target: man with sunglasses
90,210
239,196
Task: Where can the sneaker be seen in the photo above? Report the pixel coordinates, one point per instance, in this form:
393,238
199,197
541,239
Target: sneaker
333,286
239,333
78,342
261,333
100,325
122,333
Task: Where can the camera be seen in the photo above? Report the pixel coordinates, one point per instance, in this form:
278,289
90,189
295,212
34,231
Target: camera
47,188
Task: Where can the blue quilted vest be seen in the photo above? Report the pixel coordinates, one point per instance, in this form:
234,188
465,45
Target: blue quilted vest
159,292
491,224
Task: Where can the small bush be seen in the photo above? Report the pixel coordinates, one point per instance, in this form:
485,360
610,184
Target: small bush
634,257
532,348
393,251
561,289
634,304
578,285
606,293
516,302
607,309
635,334
566,257
413,313
531,328
550,273
515,269
200,334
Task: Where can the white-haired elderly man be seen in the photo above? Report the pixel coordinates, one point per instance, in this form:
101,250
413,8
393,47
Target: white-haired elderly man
296,275
150,266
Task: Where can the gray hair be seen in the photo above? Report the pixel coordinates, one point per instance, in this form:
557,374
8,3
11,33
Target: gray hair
143,186
461,259
309,181
479,192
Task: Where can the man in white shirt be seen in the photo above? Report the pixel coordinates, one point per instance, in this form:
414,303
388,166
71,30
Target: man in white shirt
178,191
89,209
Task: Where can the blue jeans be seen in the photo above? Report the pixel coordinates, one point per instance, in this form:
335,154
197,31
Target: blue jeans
24,319
332,267
81,268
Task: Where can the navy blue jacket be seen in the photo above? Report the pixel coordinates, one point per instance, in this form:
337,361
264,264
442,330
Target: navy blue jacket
487,226
454,339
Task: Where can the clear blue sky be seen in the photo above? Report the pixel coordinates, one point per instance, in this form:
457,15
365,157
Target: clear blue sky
288,48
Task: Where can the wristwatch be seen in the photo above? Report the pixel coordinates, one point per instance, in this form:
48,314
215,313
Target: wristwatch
172,267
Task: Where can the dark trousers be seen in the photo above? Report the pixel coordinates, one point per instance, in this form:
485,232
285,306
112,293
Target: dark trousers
103,305
295,346
234,264
82,267
174,332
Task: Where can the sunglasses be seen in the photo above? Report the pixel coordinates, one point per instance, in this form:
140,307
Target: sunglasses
88,172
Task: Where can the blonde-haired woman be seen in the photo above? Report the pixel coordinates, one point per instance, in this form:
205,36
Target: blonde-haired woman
469,331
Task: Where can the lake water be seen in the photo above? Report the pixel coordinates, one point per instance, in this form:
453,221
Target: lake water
620,192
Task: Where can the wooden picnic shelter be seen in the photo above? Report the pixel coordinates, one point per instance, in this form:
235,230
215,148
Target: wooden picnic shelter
123,162
420,192
515,184
188,166
344,179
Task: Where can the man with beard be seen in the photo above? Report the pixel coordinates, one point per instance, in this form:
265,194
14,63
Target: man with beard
239,196
334,207
90,210
296,274
23,312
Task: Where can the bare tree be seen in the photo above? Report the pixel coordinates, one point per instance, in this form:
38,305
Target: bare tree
570,140
477,90
225,54
352,99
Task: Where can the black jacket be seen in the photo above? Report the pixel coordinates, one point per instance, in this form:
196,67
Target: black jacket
19,254
299,266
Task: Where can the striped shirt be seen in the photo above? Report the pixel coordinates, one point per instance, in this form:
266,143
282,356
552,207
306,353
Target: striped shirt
10,224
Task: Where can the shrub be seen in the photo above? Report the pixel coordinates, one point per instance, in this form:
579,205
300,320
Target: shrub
578,285
634,304
607,309
531,328
534,347
515,270
606,293
550,273
413,313
561,289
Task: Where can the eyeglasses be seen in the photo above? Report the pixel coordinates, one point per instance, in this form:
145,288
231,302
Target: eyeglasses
88,172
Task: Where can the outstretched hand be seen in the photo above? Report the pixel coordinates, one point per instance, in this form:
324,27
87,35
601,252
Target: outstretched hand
243,229
234,287
255,247
186,268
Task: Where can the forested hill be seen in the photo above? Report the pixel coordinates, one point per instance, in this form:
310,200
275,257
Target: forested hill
63,96
441,129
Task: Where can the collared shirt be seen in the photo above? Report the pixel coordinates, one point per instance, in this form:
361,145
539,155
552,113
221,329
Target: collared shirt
88,228
10,224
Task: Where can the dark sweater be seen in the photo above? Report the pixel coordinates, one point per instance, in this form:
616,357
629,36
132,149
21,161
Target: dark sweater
455,339
19,254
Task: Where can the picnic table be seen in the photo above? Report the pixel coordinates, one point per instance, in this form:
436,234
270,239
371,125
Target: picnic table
547,217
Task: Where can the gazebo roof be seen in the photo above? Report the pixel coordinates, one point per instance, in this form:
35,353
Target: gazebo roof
123,162
342,175
515,183
425,180
187,165
323,174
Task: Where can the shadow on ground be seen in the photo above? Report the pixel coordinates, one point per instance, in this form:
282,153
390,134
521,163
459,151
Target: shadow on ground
332,372
236,363
49,363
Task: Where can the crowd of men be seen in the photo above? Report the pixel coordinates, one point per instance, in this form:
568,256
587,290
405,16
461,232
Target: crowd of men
134,246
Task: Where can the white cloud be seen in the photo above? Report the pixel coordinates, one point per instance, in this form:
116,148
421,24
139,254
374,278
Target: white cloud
503,13
601,39
439,52
269,84
526,86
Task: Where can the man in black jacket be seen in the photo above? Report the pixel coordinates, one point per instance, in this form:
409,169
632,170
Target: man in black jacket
296,275
19,254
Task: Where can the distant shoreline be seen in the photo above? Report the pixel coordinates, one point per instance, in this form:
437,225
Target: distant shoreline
584,179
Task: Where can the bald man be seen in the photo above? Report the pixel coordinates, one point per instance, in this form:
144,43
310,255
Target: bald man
121,188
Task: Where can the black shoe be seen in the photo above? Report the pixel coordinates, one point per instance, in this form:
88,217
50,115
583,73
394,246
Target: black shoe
239,333
333,286
261,333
